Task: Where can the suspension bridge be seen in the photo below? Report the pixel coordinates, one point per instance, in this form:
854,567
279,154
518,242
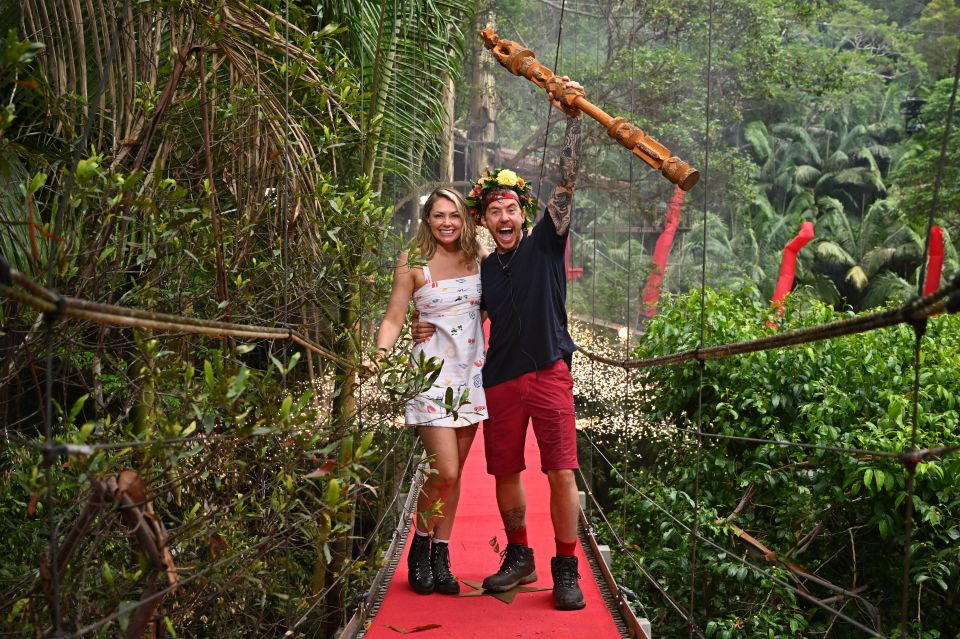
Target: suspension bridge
387,607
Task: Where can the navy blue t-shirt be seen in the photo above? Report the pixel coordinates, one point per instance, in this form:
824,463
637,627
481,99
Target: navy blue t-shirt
525,295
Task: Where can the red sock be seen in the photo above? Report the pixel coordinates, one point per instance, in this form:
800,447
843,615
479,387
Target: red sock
566,548
517,536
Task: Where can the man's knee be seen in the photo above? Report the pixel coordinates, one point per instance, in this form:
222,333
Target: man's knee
561,478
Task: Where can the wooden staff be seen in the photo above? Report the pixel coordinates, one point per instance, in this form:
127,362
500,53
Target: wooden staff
521,61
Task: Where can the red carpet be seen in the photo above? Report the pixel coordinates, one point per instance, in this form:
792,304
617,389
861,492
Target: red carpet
531,614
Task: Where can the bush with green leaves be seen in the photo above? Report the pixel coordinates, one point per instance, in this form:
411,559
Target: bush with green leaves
839,515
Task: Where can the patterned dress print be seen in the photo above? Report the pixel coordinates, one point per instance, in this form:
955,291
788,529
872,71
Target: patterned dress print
453,306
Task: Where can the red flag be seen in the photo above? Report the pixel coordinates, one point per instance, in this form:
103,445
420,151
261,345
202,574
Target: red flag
651,292
788,267
935,261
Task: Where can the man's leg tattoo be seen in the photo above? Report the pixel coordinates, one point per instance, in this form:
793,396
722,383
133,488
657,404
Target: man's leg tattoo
515,518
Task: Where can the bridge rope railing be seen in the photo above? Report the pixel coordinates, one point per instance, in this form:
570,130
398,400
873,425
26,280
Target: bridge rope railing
945,299
387,510
914,313
660,588
261,544
54,305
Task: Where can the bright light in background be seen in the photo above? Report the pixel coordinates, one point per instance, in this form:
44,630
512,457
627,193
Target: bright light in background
622,333
423,199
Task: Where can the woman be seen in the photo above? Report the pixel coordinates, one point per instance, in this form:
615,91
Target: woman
446,292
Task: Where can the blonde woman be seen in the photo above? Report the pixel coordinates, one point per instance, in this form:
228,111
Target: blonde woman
446,292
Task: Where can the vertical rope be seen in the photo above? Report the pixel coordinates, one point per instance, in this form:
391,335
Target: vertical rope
627,377
593,291
703,290
50,453
919,330
556,70
285,247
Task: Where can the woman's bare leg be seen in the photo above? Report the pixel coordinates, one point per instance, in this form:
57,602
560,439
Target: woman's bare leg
448,449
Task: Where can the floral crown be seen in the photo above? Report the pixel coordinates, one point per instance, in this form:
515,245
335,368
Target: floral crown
500,180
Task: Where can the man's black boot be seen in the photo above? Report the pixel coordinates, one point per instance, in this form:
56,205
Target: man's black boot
517,568
419,572
443,580
566,590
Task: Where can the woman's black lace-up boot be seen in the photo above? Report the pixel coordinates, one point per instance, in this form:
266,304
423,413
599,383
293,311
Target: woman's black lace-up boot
419,572
443,580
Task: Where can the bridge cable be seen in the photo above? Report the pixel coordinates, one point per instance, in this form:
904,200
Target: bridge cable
628,319
945,299
701,367
677,606
730,554
546,133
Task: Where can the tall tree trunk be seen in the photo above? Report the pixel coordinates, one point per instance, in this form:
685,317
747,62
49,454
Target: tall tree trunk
445,174
483,112
379,87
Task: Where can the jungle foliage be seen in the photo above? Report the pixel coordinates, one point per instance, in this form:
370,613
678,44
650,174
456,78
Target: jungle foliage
213,161
839,515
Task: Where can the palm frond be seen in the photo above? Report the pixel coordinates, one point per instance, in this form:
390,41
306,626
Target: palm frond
857,278
837,161
800,204
832,253
888,287
806,174
757,137
876,259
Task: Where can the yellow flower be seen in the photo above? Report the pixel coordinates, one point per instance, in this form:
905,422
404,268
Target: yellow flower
506,177
520,182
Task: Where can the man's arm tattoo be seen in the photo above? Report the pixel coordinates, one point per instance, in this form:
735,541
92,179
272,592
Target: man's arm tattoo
515,518
560,205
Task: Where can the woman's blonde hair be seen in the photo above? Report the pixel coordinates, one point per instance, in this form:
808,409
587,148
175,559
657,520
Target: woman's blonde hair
427,243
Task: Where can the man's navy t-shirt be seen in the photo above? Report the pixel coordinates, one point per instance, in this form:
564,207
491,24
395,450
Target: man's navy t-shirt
525,295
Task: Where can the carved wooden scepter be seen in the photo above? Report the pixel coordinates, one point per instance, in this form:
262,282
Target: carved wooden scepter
521,61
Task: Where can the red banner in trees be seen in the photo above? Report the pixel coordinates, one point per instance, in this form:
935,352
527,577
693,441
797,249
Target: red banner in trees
935,261
788,267
651,292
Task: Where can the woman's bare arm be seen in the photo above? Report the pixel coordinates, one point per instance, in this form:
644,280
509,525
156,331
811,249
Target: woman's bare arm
396,314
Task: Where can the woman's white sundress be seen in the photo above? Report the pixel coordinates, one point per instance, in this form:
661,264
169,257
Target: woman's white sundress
453,306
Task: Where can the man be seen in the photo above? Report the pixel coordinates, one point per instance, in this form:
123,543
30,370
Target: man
527,372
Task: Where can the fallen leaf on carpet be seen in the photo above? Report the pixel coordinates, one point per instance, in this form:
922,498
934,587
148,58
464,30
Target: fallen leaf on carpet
404,631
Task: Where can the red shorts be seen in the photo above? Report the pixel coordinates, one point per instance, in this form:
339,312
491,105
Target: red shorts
544,397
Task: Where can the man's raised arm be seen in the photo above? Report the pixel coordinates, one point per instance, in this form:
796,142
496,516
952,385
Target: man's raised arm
560,205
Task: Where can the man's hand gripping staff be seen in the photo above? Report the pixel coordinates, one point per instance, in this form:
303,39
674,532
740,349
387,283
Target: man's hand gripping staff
521,61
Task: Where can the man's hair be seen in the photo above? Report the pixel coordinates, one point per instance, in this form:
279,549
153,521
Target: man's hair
427,243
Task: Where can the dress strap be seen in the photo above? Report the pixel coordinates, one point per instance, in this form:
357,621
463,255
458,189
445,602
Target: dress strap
426,274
